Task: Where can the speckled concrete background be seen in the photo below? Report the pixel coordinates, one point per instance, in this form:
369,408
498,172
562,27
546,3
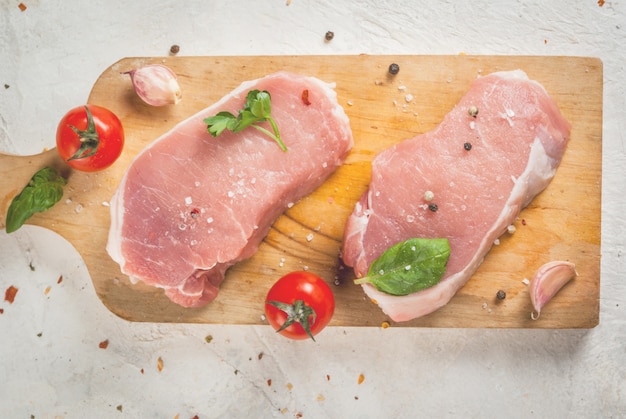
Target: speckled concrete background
51,363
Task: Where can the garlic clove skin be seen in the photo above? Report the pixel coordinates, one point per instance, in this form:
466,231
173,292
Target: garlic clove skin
156,84
547,282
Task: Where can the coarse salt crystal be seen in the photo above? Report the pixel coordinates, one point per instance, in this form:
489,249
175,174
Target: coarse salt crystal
188,200
309,237
511,229
429,195
408,98
105,204
525,281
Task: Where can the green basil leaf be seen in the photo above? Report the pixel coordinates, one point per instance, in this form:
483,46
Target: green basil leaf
409,266
44,190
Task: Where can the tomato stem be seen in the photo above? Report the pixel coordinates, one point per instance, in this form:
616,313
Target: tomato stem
89,138
298,312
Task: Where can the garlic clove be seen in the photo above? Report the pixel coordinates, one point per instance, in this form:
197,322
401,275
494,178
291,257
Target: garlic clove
156,84
547,282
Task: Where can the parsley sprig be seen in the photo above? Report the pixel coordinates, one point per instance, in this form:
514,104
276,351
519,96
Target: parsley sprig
257,109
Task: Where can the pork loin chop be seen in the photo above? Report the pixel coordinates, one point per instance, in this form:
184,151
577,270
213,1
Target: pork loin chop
191,205
479,167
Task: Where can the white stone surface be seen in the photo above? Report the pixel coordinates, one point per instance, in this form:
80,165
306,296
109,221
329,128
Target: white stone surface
51,365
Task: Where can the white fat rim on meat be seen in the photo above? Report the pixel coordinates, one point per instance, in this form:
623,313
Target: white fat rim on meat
537,175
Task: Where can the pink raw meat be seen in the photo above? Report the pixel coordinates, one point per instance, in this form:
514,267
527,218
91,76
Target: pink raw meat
191,205
517,141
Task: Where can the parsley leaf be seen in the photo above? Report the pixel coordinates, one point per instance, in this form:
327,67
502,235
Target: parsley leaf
257,109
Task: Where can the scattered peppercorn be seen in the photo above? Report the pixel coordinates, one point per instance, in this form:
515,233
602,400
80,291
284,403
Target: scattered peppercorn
433,207
174,49
472,111
467,146
394,69
329,36
501,295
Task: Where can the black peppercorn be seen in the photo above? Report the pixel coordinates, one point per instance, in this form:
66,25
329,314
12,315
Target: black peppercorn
501,295
394,69
174,49
467,146
329,35
433,207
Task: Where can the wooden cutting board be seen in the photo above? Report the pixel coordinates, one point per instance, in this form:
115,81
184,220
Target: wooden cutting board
561,223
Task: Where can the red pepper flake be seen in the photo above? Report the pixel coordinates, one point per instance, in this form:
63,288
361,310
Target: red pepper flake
60,279
361,379
327,377
195,417
194,213
305,97
22,7
104,344
269,382
523,221
1,311
298,415
600,3
9,294
141,371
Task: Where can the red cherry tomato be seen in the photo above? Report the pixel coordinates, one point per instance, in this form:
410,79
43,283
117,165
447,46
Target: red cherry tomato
90,138
299,305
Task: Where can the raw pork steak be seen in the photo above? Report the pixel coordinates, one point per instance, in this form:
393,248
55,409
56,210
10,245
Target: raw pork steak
191,205
514,144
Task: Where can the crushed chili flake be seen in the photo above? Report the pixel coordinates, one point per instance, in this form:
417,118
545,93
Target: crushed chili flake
47,291
1,311
523,222
195,417
9,294
160,364
361,379
22,7
600,3
194,213
208,338
260,356
305,97
104,344
141,371
60,279
327,377
289,386
320,398
298,415
269,382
